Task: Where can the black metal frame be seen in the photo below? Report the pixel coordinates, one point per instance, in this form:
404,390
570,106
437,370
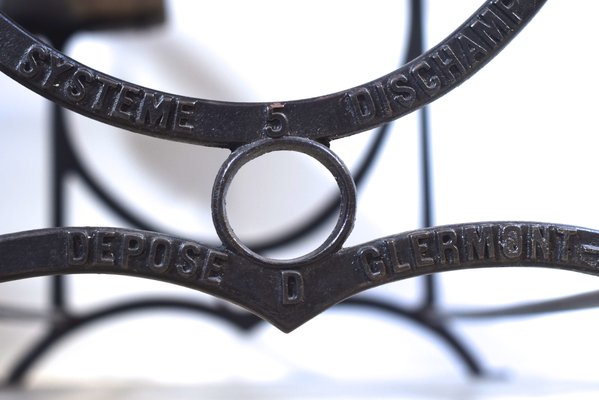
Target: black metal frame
66,162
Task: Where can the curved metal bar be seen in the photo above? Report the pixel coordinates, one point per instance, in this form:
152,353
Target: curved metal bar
287,297
241,321
575,302
441,331
75,165
226,124
245,322
70,162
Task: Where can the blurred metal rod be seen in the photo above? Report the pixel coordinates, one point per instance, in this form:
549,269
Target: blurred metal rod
569,303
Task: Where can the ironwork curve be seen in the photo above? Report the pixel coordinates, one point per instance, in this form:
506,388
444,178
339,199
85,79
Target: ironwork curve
240,126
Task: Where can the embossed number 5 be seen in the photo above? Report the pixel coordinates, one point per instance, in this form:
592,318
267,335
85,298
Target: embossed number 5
276,124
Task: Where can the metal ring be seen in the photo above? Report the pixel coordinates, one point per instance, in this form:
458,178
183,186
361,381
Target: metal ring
321,153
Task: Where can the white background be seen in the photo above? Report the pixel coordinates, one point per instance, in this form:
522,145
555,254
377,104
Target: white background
516,142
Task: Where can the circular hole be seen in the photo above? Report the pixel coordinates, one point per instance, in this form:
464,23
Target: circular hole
277,192
247,153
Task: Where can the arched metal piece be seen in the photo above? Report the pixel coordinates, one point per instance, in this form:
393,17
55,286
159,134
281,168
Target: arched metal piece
227,124
62,330
288,297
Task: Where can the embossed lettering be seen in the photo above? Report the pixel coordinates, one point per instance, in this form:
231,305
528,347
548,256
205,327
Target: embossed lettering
277,123
511,241
448,63
104,248
107,86
108,97
30,64
124,105
58,66
510,8
473,52
426,78
213,270
403,94
564,250
448,250
491,28
154,110
590,253
77,248
183,115
292,287
381,99
479,243
135,250
132,245
421,248
539,240
76,87
396,263
372,262
362,104
189,254
159,254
